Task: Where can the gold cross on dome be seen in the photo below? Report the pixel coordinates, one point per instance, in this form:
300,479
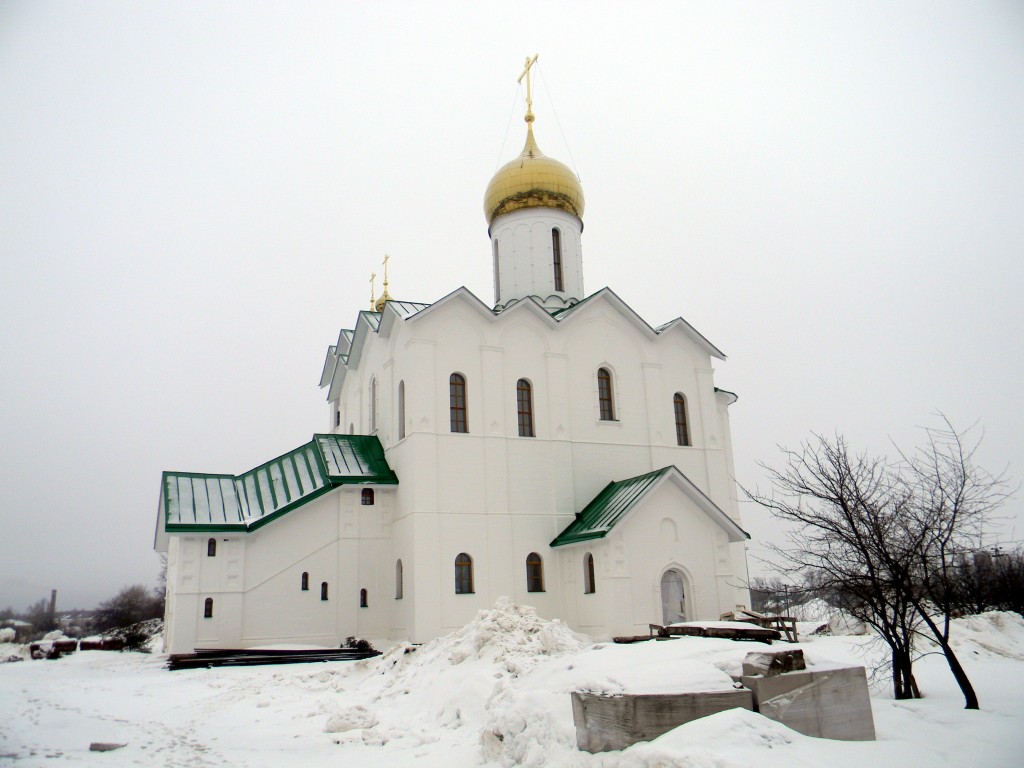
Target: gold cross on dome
373,291
529,93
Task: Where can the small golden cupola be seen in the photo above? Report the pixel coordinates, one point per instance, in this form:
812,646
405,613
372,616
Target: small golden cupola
532,180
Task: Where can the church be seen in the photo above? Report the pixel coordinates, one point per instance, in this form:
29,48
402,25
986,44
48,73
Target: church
551,446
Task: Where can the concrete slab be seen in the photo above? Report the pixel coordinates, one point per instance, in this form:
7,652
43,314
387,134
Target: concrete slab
607,722
831,704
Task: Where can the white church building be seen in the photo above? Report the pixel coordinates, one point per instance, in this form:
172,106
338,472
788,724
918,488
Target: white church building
552,447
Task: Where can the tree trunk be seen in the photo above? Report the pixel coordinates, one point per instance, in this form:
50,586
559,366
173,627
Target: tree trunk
970,697
959,674
904,686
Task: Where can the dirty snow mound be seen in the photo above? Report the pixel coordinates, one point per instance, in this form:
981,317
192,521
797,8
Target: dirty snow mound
509,632
995,633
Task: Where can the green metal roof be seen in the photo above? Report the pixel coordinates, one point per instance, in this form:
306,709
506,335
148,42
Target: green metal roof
618,498
203,502
607,508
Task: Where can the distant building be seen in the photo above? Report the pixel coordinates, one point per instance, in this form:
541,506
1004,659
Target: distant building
552,447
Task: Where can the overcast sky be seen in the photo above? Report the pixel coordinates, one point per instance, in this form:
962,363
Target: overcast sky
193,195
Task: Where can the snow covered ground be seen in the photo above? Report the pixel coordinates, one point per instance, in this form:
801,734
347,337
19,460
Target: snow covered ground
493,693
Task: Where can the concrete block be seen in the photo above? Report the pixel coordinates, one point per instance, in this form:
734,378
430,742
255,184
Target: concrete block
770,663
607,722
831,704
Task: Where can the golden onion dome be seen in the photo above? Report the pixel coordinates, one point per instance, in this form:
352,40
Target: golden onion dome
533,180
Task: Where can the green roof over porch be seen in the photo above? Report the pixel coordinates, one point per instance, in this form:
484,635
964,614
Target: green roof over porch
618,498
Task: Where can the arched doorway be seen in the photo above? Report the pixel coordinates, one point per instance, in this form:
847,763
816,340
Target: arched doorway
673,599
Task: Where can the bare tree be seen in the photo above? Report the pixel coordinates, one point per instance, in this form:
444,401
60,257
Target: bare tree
129,606
843,508
952,500
886,538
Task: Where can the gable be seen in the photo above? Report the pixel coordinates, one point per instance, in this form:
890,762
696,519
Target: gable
618,499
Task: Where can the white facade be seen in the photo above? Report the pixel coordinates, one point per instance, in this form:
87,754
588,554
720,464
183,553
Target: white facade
673,549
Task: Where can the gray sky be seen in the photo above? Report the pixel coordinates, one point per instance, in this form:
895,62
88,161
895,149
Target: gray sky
193,195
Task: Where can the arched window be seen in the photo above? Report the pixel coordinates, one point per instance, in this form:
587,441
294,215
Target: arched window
497,274
534,573
399,586
363,599
373,404
463,574
457,397
323,590
208,608
556,257
682,426
211,548
604,394
401,410
366,497
305,581
524,407
589,582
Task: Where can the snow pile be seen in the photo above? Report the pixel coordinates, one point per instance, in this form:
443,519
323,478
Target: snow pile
700,743
511,634
995,633
13,652
7,635
410,694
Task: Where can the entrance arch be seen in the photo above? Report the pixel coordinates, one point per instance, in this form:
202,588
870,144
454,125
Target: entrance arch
673,597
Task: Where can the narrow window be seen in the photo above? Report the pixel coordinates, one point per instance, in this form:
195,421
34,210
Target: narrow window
401,410
682,427
399,586
463,574
208,608
556,255
457,398
305,581
323,590
211,548
351,428
366,497
497,274
534,573
337,417
363,600
524,407
589,583
373,405
604,394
